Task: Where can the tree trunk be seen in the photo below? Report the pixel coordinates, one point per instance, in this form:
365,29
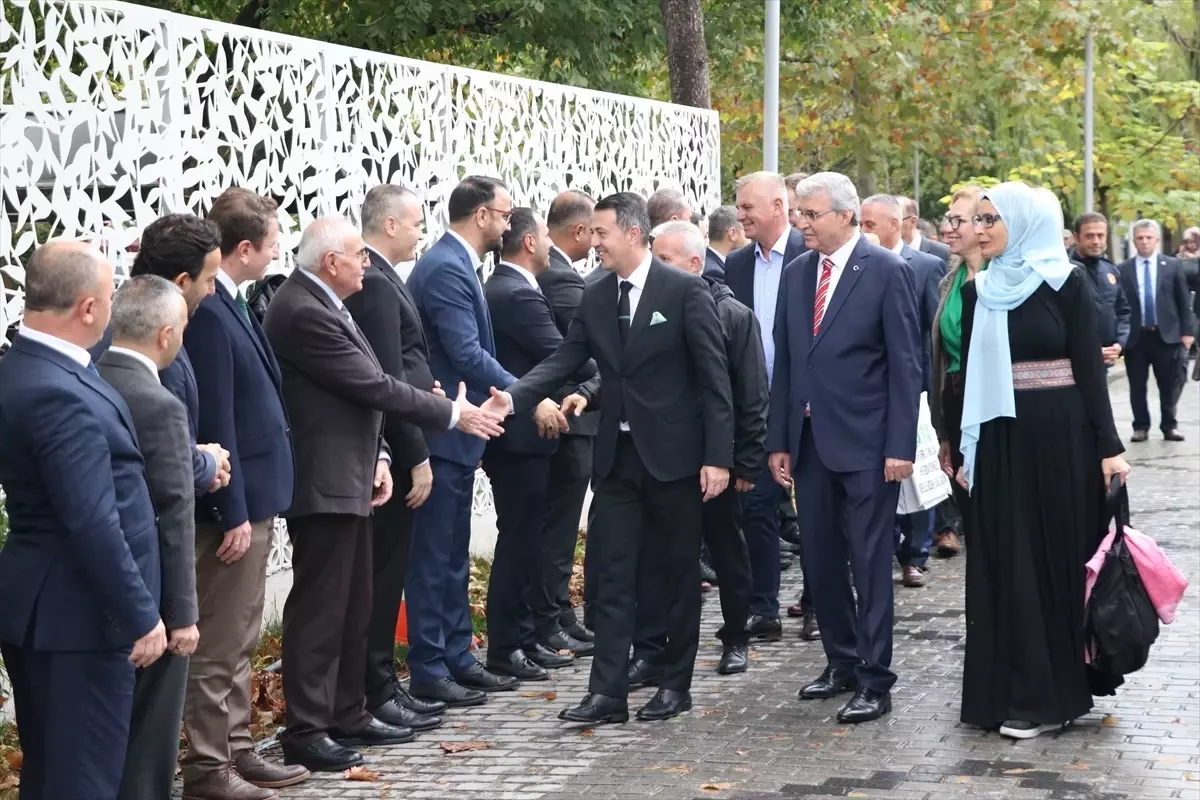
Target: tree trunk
687,52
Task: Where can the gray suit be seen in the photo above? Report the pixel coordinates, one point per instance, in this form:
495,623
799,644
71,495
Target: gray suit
160,422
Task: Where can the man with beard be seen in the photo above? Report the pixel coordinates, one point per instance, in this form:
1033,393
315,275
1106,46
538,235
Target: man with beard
1112,306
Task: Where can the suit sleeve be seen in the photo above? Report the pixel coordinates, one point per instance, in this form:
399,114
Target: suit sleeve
546,378
316,345
204,465
448,303
537,333
1187,321
165,446
211,353
1124,313
748,370
706,347
71,453
377,312
780,401
564,290
901,332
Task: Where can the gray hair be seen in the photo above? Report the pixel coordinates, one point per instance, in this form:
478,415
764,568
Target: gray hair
380,203
772,179
689,235
1145,223
325,235
143,306
842,194
721,222
59,273
890,202
664,204
909,206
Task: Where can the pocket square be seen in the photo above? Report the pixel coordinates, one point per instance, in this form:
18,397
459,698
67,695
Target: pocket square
656,318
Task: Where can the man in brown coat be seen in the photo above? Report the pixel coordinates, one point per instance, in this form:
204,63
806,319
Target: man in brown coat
336,395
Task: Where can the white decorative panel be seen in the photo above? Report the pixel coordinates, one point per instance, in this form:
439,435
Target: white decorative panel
112,114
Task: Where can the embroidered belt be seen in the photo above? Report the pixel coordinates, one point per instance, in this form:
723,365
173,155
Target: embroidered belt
1042,374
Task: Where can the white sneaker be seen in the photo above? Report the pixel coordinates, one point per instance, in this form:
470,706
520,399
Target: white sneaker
1020,729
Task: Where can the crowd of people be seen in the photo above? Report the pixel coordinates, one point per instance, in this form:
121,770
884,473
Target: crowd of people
703,386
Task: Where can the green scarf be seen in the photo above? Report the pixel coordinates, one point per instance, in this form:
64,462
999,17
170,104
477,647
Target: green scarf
951,322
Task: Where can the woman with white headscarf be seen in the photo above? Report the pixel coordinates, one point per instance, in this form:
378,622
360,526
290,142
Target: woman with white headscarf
1039,445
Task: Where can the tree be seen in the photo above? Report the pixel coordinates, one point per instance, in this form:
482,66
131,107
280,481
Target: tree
687,52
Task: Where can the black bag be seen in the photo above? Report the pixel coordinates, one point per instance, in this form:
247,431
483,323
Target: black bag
1120,621
261,293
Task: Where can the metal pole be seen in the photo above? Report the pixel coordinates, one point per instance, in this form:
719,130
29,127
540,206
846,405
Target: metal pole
771,89
917,178
1088,101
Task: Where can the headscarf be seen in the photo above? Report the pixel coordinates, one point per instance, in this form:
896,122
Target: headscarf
1034,255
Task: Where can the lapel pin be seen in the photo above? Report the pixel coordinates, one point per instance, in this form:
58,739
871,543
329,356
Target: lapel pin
856,267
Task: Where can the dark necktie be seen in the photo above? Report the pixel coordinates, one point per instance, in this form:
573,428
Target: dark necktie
624,317
1150,317
241,304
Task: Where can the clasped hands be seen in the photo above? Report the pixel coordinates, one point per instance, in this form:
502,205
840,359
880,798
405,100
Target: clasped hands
221,478
550,418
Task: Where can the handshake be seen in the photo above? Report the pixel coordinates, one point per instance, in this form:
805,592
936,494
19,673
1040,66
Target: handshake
486,421
221,479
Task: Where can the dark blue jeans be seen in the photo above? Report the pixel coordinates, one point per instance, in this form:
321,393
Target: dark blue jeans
760,526
914,537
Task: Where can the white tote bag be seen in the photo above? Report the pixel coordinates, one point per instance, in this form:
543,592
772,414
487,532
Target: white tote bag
928,485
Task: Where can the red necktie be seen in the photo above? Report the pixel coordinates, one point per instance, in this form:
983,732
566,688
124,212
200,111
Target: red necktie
822,293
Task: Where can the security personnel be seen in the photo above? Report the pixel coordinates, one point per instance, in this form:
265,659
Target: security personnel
1112,307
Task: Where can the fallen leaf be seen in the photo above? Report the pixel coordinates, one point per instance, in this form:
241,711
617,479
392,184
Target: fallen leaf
549,697
1019,771
961,779
839,732
463,747
716,787
742,752
361,774
1109,721
462,726
858,794
708,712
10,782
587,732
15,759
681,769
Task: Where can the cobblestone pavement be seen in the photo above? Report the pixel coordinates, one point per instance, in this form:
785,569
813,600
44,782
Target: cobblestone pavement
749,737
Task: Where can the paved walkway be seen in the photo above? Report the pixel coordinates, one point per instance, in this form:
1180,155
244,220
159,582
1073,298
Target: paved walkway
749,736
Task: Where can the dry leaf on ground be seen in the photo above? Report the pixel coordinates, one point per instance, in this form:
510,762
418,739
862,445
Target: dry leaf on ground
547,696
463,747
587,732
1109,721
15,759
361,774
682,769
716,787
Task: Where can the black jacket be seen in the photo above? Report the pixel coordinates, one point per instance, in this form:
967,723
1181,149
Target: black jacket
1112,306
563,288
1172,303
747,378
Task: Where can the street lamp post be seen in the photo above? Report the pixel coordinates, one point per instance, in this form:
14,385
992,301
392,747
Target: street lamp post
771,89
1088,101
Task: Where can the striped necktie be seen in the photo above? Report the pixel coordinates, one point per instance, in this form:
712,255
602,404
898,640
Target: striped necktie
820,304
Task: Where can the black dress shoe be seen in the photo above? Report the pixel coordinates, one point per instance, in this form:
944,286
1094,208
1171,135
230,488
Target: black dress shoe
597,709
643,673
515,664
789,548
733,660
1173,436
865,706
561,640
547,658
708,574
790,534
321,755
579,632
1140,436
376,733
395,714
766,628
831,683
479,678
665,704
446,691
809,631
425,708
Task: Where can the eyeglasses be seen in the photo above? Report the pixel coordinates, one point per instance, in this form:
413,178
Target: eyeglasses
363,256
811,216
954,221
986,220
504,214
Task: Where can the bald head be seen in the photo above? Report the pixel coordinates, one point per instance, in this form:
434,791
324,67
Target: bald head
570,223
68,292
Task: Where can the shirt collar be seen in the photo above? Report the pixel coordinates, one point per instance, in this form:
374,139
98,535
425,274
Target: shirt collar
476,260
561,252
529,277
842,254
139,357
720,257
915,242
381,255
780,246
68,349
337,301
227,282
638,276
899,248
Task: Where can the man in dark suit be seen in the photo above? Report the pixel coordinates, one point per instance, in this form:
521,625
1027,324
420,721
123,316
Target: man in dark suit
186,250
520,598
665,445
386,313
336,395
847,384
148,318
725,234
754,274
80,572
461,350
238,388
1162,329
1108,296
681,245
881,215
570,224
911,234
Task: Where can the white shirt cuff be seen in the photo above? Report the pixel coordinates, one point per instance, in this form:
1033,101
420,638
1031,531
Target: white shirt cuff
384,456
453,417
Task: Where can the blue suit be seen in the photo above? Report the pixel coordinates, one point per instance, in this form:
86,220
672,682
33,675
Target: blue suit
180,380
462,348
760,506
860,377
240,407
80,573
928,271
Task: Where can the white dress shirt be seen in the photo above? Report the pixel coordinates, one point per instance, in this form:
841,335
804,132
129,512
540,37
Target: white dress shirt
476,260
637,280
227,282
768,271
839,258
529,277
721,258
562,253
141,358
71,351
899,248
915,241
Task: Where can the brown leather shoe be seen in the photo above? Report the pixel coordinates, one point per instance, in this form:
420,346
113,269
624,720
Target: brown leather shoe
795,610
1139,436
254,769
225,784
1173,435
946,544
914,578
